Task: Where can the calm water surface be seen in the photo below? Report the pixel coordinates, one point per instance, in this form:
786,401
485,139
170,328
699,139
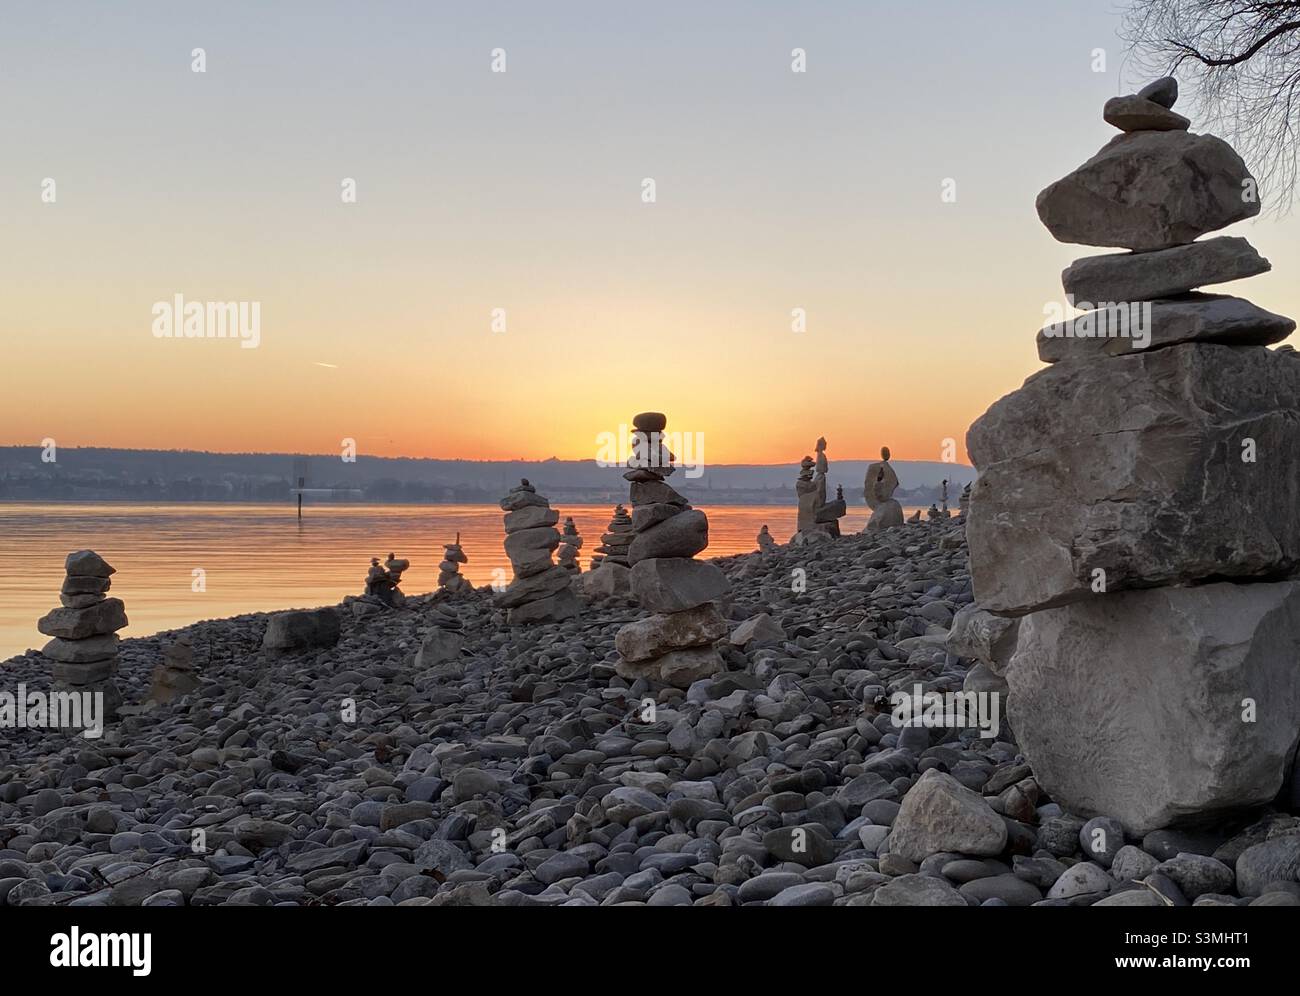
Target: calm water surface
259,557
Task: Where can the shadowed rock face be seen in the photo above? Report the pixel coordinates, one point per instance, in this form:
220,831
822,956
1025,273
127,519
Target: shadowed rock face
1150,190
1133,465
1131,704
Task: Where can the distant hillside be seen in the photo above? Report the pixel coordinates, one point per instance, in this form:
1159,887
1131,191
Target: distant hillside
95,474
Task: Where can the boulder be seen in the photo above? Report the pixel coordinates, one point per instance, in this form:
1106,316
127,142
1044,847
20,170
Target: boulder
562,605
608,580
301,630
885,515
939,814
106,616
1119,329
681,536
440,646
680,668
1159,706
757,631
656,635
536,586
1145,276
1150,190
987,638
674,584
1145,482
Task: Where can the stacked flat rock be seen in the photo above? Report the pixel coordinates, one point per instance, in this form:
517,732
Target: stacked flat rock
450,579
878,489
1139,507
541,590
175,676
570,544
675,644
84,630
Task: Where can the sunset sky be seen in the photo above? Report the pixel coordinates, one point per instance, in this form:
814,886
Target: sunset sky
523,190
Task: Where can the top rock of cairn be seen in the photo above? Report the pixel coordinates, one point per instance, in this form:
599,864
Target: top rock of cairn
1156,186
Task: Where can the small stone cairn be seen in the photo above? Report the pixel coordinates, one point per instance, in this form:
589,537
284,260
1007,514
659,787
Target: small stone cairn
175,676
450,579
85,643
878,489
1137,503
610,575
382,581
541,590
570,544
675,645
766,543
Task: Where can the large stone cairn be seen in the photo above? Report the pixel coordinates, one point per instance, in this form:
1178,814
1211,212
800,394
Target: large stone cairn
1140,507
450,579
818,518
675,645
541,590
84,630
570,544
878,489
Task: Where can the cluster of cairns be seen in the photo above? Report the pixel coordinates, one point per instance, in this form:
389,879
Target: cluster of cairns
542,590
84,630
1136,506
382,581
570,544
450,579
175,676
674,645
878,489
819,519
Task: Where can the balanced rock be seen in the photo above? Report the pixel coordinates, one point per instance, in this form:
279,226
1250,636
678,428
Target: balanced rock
84,650
615,541
1168,740
1145,276
570,544
175,676
1134,113
766,544
1145,482
677,584
878,489
1150,190
1121,328
105,616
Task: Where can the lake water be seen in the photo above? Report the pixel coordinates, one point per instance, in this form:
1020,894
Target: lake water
255,558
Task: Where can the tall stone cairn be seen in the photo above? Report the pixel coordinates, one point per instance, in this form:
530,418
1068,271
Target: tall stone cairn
84,630
570,544
541,590
1138,502
675,645
450,579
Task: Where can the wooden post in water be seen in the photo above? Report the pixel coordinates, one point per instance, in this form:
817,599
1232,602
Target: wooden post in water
302,481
